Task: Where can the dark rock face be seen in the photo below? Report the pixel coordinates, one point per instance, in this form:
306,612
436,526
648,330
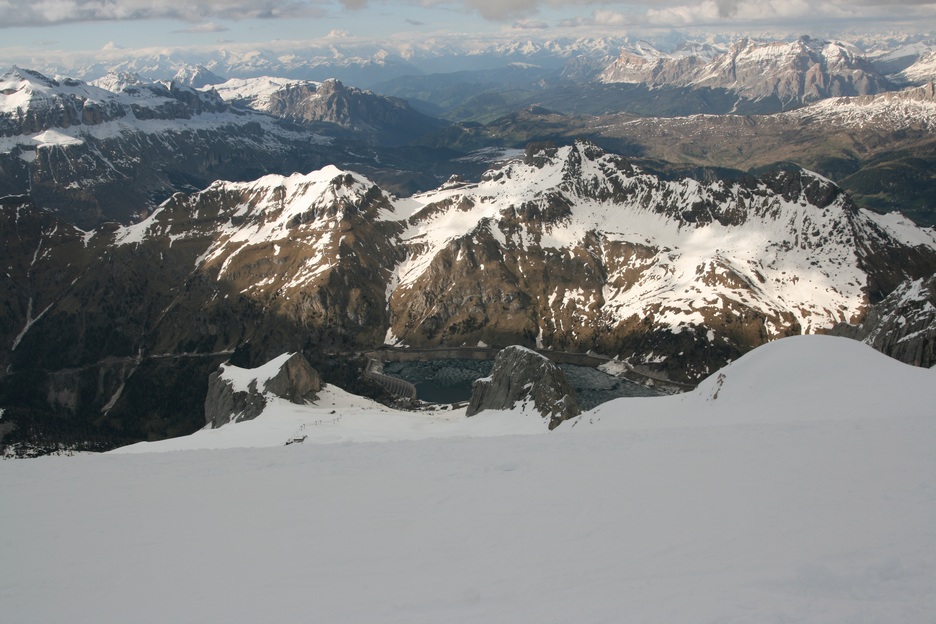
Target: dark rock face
902,326
296,381
520,375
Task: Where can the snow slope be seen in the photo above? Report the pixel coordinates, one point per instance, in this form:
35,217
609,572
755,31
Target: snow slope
255,92
821,508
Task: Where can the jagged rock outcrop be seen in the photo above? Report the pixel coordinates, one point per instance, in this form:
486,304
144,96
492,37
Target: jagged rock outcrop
524,376
236,394
903,325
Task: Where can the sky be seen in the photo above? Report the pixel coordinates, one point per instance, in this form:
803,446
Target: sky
40,26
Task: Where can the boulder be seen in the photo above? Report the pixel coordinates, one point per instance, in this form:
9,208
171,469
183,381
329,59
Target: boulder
236,394
521,375
296,381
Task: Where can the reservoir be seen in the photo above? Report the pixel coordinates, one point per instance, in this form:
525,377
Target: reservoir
449,381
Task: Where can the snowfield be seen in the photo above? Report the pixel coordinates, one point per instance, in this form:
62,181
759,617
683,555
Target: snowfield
796,485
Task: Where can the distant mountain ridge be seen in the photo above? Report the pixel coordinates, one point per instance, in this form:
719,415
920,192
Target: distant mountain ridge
372,117
793,73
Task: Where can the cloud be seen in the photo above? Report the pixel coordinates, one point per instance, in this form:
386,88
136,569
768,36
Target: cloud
501,10
529,24
413,22
45,12
205,27
621,12
748,13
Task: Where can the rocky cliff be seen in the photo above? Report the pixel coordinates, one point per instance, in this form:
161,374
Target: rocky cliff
521,376
236,394
792,73
903,325
372,117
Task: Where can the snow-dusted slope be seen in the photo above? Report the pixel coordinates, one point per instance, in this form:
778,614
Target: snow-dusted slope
911,109
921,71
254,92
129,146
594,245
799,379
702,510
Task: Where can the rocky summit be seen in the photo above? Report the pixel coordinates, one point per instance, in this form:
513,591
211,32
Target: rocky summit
236,394
523,376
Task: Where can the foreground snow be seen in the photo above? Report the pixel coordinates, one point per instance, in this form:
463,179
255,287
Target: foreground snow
804,492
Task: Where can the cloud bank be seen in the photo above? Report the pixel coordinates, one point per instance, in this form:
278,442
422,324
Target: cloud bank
47,12
673,13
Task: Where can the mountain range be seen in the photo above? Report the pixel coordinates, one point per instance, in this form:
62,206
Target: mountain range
94,154
571,248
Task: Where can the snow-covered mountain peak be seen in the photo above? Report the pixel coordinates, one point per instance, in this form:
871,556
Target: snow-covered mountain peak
269,208
256,93
198,76
17,75
24,89
115,82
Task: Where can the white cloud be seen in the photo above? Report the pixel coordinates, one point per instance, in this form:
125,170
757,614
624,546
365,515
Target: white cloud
42,12
737,13
628,12
529,24
204,27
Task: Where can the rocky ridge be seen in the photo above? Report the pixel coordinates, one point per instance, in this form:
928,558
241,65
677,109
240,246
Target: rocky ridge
794,73
576,249
236,394
376,117
880,148
522,376
93,155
